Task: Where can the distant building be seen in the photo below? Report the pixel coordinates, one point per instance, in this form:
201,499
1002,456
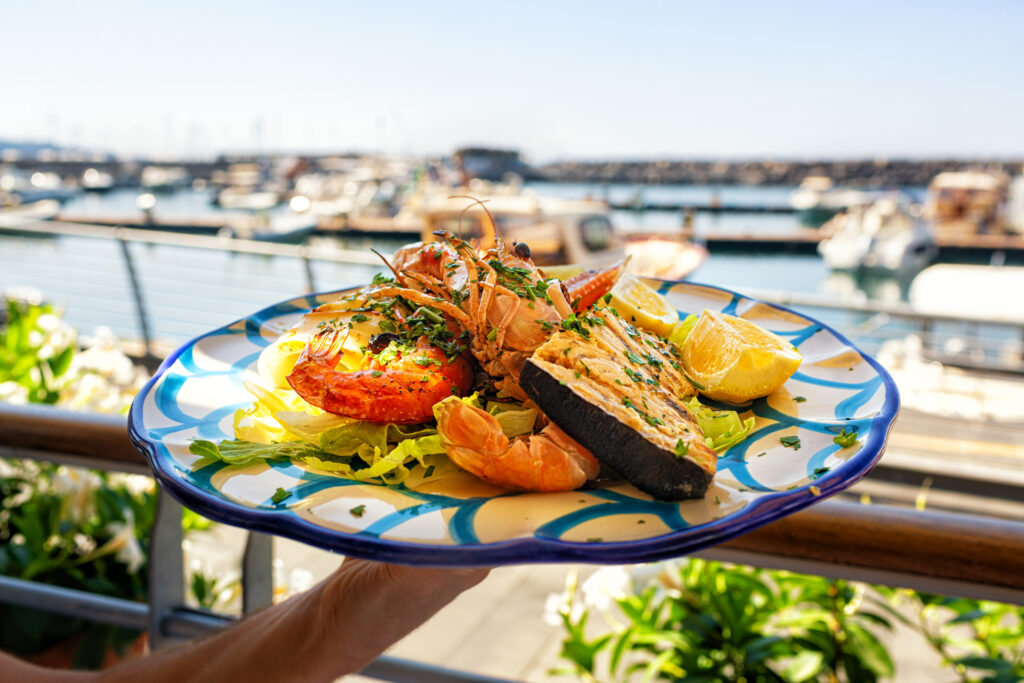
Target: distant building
491,164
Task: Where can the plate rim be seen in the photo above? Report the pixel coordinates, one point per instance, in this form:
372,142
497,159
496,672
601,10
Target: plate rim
526,550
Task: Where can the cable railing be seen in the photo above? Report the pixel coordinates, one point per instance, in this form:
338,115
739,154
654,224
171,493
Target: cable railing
169,287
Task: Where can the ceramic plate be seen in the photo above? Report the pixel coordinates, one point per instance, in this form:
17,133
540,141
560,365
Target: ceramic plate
458,520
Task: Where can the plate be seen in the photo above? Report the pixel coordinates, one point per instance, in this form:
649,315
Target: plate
459,521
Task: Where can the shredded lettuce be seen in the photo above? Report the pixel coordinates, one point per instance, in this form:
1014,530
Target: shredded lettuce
281,425
722,428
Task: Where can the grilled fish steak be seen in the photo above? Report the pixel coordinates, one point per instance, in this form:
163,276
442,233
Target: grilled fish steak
619,392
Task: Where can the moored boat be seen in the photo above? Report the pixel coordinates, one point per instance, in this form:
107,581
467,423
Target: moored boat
887,235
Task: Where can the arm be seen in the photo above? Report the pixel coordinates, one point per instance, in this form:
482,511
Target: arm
338,627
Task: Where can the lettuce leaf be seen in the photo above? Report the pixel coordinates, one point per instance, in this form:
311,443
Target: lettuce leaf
722,428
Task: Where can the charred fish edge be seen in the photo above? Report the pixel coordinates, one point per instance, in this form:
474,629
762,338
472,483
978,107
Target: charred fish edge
651,469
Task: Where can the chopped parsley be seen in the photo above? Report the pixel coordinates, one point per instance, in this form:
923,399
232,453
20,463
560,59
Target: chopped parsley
799,399
649,419
280,495
791,442
359,318
694,384
358,511
682,449
845,438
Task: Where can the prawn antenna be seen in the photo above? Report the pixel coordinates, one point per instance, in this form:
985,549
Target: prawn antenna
488,238
398,277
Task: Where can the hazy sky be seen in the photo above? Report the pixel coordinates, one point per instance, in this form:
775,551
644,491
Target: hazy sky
555,79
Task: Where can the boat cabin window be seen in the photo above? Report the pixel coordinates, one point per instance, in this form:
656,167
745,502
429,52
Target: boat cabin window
596,232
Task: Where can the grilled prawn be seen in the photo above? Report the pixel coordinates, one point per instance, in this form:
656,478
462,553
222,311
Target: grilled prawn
547,461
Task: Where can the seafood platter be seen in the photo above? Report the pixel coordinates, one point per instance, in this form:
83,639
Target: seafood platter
470,408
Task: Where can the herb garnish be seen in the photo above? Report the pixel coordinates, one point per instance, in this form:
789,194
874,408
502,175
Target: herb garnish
791,442
845,438
279,495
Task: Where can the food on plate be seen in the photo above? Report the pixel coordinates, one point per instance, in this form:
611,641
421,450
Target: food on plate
497,295
620,392
643,306
473,357
547,461
735,360
399,383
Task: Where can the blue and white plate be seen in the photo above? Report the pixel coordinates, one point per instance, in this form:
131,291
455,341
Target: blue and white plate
458,520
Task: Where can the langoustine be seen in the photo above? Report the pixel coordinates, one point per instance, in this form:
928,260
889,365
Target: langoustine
507,306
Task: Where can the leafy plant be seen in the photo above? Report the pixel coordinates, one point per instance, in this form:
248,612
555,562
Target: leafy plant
71,527
979,640
75,529
36,348
705,621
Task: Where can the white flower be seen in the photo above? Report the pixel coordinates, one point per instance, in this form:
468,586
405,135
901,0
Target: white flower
299,581
77,486
136,484
125,543
558,604
605,586
12,392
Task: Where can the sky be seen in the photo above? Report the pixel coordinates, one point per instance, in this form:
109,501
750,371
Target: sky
556,80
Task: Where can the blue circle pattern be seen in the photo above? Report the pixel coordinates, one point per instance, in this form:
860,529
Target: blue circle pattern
196,488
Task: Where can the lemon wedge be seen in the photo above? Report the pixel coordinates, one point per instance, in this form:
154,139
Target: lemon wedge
639,304
562,272
735,360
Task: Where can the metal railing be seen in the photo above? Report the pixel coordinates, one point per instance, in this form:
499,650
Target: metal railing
965,340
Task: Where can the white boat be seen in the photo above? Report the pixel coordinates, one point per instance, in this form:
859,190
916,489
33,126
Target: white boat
288,227
94,180
966,203
248,199
970,290
886,235
164,178
558,231
817,200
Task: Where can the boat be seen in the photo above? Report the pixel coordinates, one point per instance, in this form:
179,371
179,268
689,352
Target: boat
887,235
94,180
164,178
973,291
248,199
558,231
17,188
289,227
967,203
817,200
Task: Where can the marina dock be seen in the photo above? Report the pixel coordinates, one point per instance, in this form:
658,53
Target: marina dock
710,207
969,248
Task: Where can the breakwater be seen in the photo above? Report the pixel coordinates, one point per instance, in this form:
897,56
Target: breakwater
868,173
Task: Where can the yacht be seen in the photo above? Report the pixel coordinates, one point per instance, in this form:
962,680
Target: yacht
886,235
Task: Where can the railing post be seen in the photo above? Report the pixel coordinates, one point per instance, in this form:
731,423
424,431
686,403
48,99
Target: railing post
307,264
140,305
166,568
257,572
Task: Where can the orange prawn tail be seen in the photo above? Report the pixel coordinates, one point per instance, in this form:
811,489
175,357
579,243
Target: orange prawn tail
586,288
402,391
548,461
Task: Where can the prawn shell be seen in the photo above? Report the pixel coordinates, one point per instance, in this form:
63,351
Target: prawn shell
399,393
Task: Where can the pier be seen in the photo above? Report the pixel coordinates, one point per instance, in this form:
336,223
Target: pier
710,207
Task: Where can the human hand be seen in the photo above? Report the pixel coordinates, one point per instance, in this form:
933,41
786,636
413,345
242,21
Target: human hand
386,602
